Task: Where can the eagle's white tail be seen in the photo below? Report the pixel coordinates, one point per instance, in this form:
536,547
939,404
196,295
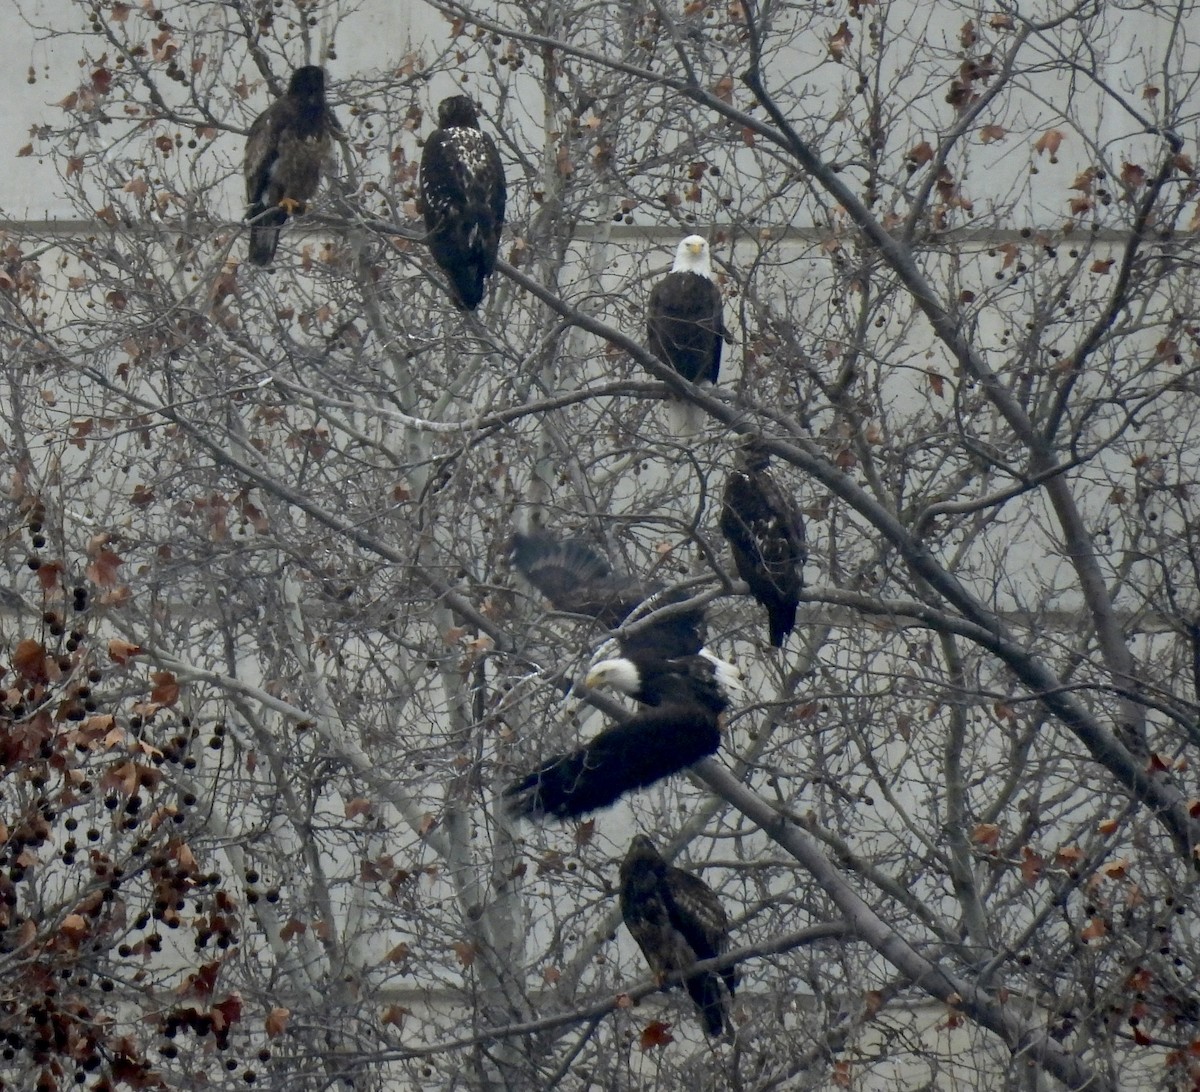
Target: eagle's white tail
685,418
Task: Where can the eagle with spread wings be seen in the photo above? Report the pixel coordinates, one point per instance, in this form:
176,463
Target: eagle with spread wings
285,151
661,663
677,921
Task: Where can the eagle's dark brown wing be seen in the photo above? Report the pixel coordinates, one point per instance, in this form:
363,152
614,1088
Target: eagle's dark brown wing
700,917
262,150
575,578
697,915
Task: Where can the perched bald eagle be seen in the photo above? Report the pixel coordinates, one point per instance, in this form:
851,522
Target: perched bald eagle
766,534
575,578
677,921
656,743
463,194
685,325
287,146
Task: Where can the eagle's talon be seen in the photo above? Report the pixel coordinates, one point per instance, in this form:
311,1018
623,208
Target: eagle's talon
291,206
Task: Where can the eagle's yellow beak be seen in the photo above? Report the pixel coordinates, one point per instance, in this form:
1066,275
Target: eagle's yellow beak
696,248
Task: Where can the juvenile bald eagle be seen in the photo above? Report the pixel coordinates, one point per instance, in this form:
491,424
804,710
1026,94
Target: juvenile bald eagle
656,743
463,194
287,145
766,534
685,325
677,920
575,578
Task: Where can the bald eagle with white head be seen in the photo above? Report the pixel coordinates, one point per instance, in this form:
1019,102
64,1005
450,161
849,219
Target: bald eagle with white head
685,324
463,192
699,679
662,663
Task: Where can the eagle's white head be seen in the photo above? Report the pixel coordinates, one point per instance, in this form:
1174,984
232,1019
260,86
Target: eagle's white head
618,673
692,257
728,675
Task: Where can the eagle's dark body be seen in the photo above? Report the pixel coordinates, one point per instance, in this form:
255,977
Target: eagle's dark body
766,534
463,193
684,326
677,920
656,743
285,151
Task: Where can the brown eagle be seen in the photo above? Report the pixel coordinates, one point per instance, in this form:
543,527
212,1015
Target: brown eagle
766,534
677,920
288,144
463,193
685,326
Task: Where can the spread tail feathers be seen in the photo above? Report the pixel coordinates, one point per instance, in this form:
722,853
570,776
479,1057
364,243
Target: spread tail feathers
650,746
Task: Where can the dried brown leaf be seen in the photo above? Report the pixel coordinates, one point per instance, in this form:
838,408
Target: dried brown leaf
121,651
656,1034
986,834
840,41
1049,143
29,661
276,1022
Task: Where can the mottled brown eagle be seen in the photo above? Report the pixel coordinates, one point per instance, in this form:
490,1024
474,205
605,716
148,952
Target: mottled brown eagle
463,194
677,921
685,326
766,534
287,147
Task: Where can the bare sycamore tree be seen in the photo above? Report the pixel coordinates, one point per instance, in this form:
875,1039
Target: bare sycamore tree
268,666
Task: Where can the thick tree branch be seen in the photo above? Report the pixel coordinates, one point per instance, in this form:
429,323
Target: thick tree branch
1020,1035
